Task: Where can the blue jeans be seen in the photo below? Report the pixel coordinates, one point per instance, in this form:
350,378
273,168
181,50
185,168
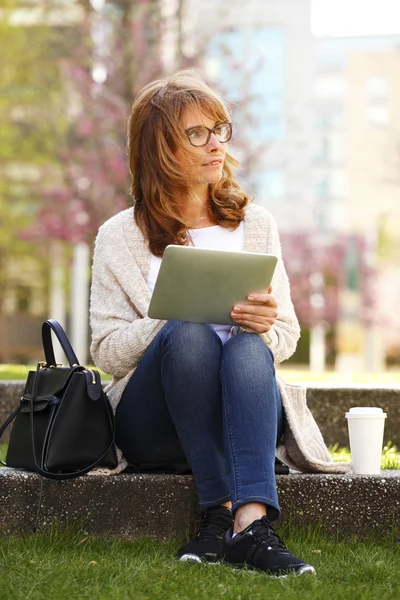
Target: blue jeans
216,405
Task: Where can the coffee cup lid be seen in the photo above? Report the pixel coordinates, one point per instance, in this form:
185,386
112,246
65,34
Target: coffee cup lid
365,412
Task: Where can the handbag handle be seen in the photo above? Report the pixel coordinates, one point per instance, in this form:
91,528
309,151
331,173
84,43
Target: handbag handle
50,474
53,325
47,327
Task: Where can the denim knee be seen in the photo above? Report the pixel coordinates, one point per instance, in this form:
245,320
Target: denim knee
184,332
190,341
248,351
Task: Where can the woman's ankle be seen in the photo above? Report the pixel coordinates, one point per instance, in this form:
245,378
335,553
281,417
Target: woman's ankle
246,514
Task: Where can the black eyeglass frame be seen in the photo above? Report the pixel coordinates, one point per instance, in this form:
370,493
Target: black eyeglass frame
210,131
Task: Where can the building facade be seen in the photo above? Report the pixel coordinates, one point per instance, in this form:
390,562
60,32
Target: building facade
261,59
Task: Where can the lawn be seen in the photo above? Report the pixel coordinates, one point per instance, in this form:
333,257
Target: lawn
67,564
292,375
390,456
20,373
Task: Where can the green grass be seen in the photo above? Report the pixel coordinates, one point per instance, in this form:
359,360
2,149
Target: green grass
20,373
3,450
390,456
67,564
291,375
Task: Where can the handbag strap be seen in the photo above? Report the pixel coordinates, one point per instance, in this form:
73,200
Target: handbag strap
6,423
53,325
50,474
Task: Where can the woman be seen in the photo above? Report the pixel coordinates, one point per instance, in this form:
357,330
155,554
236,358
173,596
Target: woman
192,393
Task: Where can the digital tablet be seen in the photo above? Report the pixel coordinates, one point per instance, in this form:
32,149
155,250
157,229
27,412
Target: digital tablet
202,286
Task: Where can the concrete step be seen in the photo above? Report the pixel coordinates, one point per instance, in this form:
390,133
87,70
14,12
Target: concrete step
165,506
328,403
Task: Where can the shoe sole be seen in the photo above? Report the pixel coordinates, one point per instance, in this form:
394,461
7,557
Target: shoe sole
194,558
306,570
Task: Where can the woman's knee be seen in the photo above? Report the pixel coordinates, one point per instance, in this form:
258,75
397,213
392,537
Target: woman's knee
187,335
248,376
192,344
248,351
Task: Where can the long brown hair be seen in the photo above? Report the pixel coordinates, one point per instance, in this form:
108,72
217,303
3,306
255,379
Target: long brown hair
155,131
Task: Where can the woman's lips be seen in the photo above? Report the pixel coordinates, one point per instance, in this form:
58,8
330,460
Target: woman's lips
213,163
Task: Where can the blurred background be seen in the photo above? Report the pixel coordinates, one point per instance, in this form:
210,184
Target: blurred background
314,86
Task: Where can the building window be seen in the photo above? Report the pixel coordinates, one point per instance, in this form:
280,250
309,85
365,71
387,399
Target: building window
323,150
336,147
331,87
377,116
376,90
322,188
338,183
268,186
330,148
248,67
376,107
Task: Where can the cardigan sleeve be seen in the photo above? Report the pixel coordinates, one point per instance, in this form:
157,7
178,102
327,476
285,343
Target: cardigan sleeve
283,336
120,332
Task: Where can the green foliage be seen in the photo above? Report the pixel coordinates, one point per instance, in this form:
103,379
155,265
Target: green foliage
31,127
30,103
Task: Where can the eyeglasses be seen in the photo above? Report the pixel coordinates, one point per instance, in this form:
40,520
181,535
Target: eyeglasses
200,135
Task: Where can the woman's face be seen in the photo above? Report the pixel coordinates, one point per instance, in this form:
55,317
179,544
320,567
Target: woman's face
204,164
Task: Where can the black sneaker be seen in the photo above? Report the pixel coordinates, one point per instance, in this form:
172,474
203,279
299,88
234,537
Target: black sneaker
259,547
207,546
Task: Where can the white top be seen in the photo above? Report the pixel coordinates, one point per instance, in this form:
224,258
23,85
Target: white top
212,238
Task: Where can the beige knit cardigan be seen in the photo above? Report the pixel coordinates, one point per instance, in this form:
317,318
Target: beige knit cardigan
122,331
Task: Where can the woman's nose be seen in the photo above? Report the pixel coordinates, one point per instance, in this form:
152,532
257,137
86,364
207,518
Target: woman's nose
213,143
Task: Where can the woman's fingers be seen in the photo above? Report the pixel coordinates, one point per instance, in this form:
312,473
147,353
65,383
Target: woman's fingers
254,312
260,315
265,299
256,327
257,323
253,319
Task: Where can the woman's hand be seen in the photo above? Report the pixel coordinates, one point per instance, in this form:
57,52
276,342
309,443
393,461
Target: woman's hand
258,317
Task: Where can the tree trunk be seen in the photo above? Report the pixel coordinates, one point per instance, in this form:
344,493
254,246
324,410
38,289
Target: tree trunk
80,301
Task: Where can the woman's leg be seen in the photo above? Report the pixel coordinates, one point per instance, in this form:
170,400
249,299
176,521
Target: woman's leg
173,402
253,424
253,420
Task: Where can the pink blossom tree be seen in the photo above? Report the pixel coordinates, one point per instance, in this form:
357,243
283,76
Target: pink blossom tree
342,263
100,80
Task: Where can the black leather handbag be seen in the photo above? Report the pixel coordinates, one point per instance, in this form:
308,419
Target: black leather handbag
64,424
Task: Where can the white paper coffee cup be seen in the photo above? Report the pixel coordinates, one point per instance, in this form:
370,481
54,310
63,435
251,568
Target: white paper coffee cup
366,425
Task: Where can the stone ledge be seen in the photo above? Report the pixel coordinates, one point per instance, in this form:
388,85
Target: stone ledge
328,404
165,506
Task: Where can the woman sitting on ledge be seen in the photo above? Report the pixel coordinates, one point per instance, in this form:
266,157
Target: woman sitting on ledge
200,395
